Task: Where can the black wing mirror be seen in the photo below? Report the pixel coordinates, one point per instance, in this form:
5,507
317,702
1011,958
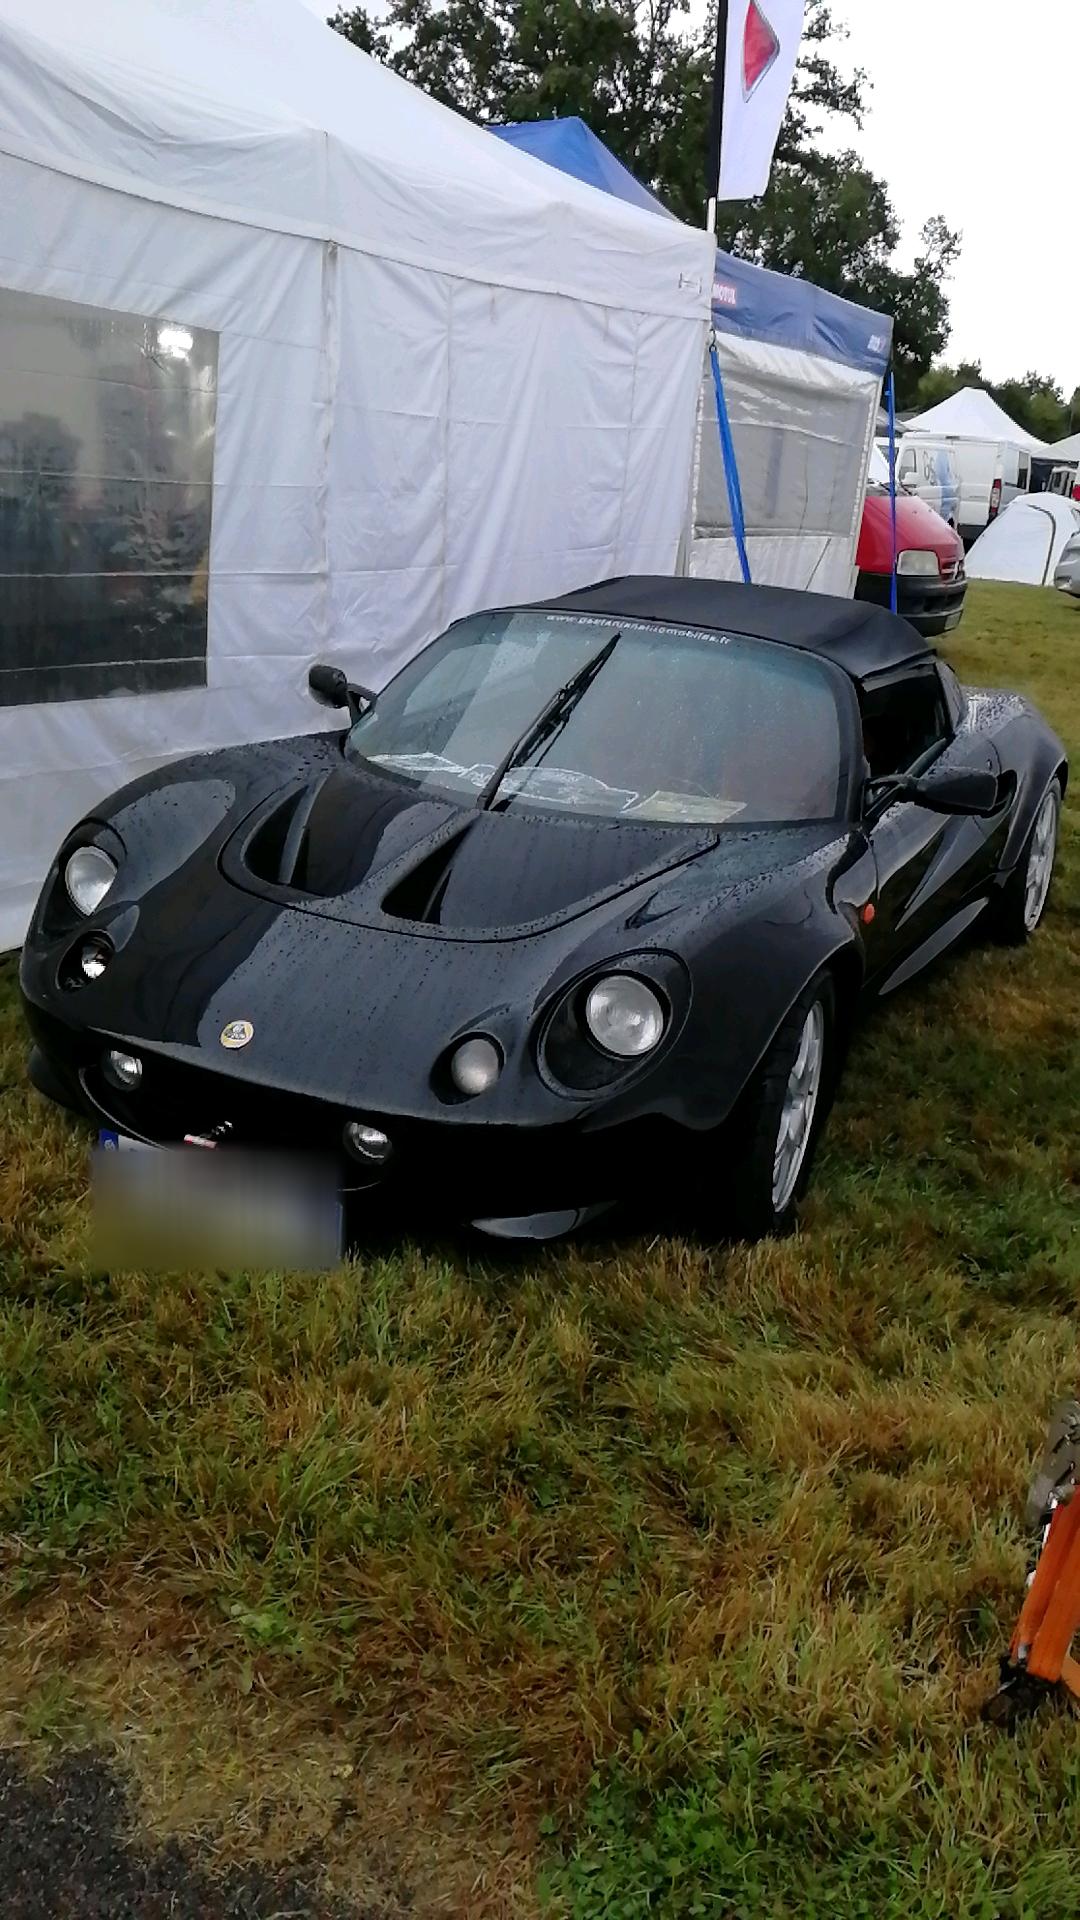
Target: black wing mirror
958,790
331,688
962,790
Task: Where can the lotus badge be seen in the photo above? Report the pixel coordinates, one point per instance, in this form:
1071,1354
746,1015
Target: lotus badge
237,1034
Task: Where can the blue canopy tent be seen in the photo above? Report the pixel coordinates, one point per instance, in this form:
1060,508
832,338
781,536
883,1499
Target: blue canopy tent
574,148
801,376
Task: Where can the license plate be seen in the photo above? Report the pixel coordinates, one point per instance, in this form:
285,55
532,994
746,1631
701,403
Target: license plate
953,621
175,1207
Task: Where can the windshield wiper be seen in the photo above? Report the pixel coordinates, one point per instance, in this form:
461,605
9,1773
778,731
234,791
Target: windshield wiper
548,721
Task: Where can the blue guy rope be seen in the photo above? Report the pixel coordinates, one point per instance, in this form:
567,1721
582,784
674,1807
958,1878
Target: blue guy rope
892,482
731,471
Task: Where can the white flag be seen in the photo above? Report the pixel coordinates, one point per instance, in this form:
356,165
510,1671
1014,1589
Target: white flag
762,48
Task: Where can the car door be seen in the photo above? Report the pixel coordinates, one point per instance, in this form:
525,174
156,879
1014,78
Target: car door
930,866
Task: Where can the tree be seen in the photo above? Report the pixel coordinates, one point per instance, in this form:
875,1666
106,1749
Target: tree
628,67
642,80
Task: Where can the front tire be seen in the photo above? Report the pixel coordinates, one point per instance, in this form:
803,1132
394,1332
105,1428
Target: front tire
782,1117
1023,899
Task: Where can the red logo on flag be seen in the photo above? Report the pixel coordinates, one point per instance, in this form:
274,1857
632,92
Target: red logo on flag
760,48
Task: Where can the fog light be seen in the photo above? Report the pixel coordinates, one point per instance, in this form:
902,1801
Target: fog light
367,1143
475,1066
124,1070
93,960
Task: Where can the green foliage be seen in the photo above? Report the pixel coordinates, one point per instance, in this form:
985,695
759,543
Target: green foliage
641,78
675,1573
628,67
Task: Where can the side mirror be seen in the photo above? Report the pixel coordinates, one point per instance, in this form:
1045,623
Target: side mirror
960,790
331,688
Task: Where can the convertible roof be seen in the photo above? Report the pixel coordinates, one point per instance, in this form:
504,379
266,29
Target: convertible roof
862,639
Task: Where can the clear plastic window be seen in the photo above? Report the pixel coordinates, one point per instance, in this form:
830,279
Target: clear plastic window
106,482
800,455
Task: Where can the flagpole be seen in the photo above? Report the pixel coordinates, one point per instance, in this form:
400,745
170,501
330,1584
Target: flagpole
716,118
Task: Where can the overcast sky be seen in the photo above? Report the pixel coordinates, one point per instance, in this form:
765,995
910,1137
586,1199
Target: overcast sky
975,114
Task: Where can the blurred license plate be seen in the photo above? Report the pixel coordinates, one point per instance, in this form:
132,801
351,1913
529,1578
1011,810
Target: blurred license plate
953,620
175,1207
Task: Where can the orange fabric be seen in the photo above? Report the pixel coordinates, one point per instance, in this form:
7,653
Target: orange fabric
1060,1621
1064,1529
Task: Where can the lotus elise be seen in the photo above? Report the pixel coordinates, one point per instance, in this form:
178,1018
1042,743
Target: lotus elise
578,910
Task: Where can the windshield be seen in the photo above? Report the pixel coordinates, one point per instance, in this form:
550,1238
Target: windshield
670,724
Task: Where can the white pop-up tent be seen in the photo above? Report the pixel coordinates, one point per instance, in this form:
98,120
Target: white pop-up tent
973,414
1026,542
294,364
801,371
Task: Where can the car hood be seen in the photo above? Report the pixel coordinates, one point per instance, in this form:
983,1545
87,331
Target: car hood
917,527
353,845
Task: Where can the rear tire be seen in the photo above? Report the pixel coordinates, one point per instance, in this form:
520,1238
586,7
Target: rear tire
1023,899
780,1121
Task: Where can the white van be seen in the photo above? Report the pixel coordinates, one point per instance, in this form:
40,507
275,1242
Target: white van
991,474
928,469
1065,481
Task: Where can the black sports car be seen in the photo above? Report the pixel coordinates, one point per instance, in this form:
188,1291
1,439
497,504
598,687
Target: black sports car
579,909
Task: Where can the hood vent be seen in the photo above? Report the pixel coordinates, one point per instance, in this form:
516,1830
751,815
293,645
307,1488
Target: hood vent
419,895
278,849
377,853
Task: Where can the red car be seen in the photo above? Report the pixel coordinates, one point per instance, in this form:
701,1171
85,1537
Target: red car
931,582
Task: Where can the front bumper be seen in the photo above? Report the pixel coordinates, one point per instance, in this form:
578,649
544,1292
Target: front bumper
930,606
449,1167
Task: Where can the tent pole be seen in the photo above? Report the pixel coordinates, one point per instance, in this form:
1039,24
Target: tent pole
716,118
731,467
893,591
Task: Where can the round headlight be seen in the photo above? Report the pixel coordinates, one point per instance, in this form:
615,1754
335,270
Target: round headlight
475,1066
625,1016
88,876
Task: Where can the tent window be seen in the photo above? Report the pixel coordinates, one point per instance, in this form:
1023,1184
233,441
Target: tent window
800,452
106,481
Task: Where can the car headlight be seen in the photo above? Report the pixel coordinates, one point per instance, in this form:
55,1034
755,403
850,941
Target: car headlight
88,876
919,561
625,1016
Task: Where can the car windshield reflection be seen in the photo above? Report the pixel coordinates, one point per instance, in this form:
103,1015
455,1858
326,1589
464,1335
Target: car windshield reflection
676,724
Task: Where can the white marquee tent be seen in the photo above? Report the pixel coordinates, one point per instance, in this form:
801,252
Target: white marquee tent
294,364
973,414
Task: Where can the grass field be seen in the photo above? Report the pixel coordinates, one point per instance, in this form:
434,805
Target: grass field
646,1579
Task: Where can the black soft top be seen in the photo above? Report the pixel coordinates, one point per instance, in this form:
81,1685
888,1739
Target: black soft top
862,639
